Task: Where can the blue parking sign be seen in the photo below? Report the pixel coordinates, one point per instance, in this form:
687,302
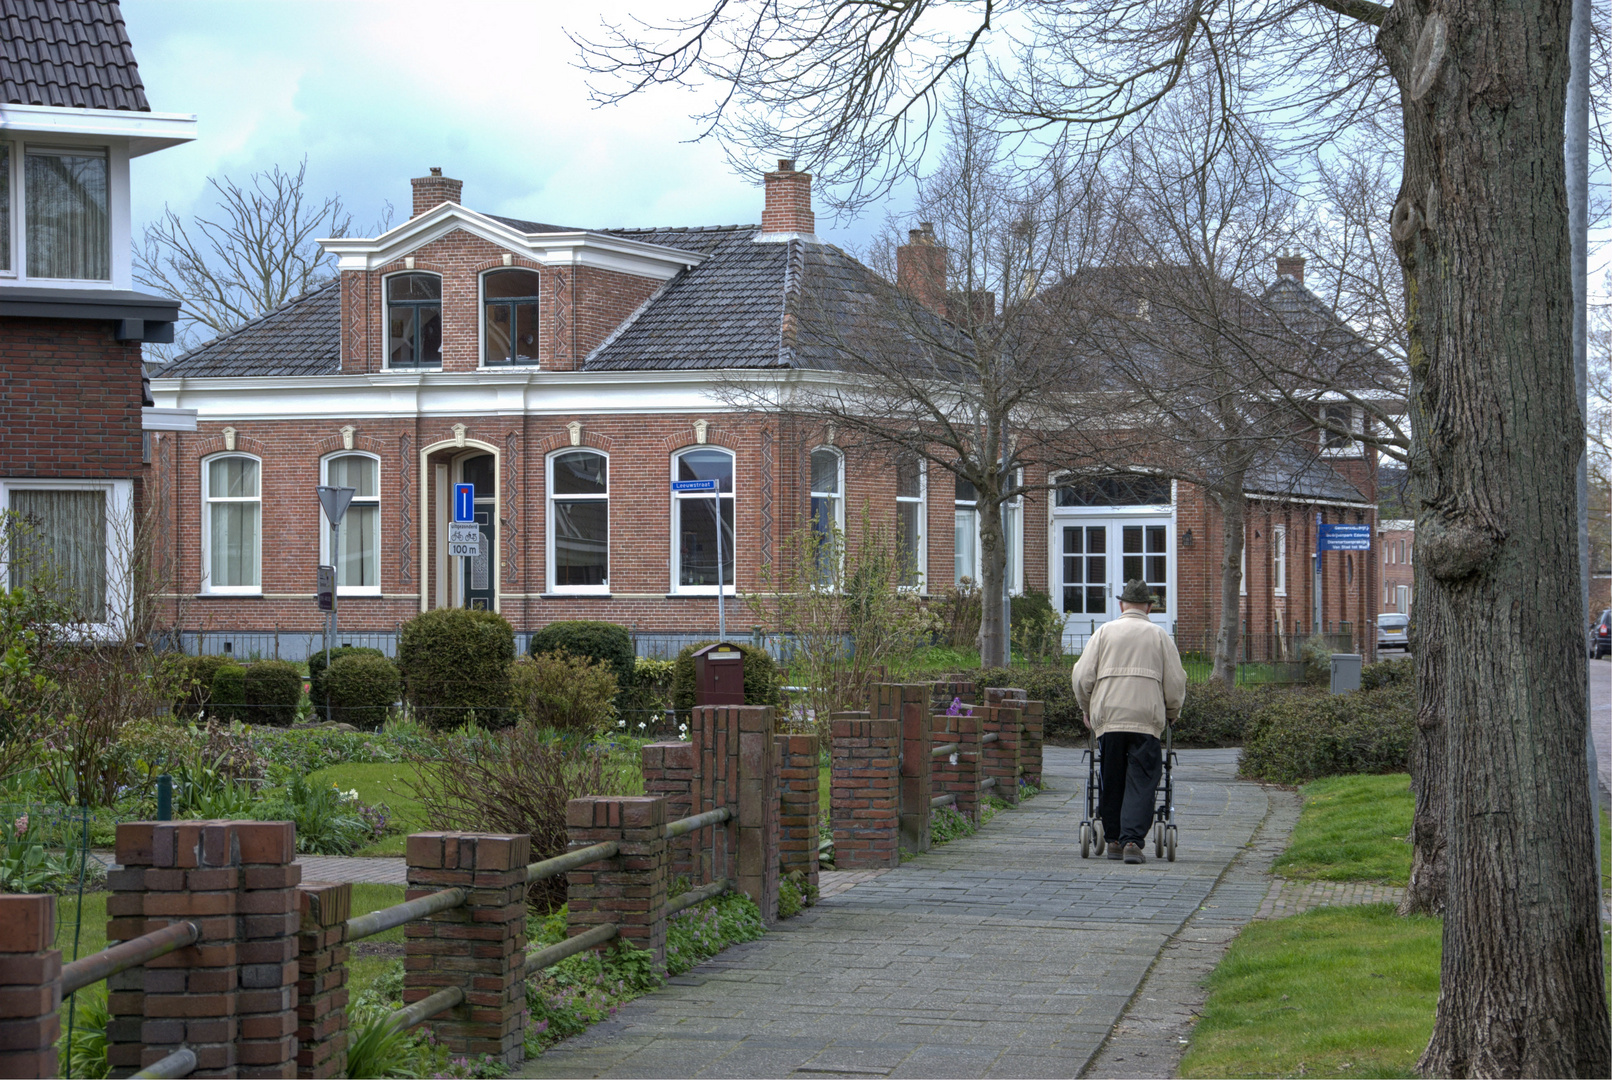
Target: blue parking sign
464,503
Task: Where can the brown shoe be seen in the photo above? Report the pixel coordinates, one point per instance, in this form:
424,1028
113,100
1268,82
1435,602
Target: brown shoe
1133,854
1114,851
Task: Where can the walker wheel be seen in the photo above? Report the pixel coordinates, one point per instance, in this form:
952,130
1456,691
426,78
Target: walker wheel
1085,841
1169,843
1158,841
1098,840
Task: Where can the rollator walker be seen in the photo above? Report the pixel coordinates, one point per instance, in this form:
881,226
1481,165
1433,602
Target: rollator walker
1091,826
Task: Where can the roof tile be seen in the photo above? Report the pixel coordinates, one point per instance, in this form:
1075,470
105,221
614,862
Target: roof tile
69,54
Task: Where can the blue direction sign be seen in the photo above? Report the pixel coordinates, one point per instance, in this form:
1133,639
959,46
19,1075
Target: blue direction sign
693,485
1344,538
464,503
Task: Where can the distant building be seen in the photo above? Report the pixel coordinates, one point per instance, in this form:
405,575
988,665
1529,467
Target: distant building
1396,540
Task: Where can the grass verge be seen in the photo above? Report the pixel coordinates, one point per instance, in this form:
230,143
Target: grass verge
1352,828
390,783
1332,992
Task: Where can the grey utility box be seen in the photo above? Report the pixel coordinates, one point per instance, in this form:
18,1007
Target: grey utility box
1345,672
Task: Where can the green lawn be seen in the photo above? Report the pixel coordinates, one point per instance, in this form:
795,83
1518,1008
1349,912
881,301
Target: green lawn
1352,828
1333,992
381,783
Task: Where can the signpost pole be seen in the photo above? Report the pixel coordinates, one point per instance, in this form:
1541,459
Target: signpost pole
721,612
1316,629
331,631
335,501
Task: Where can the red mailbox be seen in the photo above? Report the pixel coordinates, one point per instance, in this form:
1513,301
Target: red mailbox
719,675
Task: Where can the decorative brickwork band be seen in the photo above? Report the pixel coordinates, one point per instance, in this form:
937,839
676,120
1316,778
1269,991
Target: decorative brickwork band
231,997
909,706
30,986
864,803
629,889
479,946
798,805
669,771
959,774
322,978
1000,757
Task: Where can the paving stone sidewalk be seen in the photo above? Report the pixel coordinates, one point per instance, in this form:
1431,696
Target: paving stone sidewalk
1001,954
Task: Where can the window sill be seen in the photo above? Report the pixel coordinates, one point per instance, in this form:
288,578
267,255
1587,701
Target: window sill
229,595
573,596
699,595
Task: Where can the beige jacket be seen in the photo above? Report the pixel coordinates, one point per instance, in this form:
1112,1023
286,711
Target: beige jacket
1129,677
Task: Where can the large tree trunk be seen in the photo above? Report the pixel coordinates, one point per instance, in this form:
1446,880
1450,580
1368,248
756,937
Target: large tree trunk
1481,229
995,647
1424,892
1233,515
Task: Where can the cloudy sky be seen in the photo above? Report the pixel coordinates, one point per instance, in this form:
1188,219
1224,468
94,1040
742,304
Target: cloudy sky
375,93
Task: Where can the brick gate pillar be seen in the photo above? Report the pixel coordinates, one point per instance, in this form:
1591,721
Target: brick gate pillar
670,772
909,706
999,758
479,946
798,805
628,889
30,986
322,979
865,797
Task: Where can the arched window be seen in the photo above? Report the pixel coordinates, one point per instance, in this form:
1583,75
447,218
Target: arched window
232,527
828,510
694,522
579,521
358,541
413,321
965,532
509,317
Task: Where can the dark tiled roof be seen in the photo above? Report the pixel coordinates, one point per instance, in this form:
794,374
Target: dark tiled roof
530,226
1298,477
302,337
1305,313
69,53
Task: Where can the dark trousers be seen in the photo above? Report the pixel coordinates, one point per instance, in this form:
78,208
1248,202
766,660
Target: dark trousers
1131,766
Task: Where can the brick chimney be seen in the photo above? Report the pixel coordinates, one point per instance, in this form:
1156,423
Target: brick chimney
921,268
1290,266
789,201
434,190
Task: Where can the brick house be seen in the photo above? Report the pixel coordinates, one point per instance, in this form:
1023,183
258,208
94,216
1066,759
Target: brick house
73,113
1396,538
570,375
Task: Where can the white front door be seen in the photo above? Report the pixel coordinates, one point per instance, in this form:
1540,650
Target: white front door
1096,557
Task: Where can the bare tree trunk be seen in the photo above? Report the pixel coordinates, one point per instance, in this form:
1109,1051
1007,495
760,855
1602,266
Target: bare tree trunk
995,647
1233,514
1481,230
1424,893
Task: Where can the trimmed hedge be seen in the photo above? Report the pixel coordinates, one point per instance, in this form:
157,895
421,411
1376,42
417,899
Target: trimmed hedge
1302,737
316,669
761,679
564,692
603,641
363,686
455,666
1387,673
1049,685
273,692
226,697
196,682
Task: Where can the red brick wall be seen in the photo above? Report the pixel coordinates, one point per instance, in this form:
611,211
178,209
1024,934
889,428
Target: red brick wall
1394,555
69,400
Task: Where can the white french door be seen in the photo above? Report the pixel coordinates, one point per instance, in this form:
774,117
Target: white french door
1096,557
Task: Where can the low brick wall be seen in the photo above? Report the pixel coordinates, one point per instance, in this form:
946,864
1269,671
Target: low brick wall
30,986
322,994
865,802
798,805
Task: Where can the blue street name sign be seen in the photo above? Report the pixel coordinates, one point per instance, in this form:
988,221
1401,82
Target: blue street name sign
1344,538
464,503
693,485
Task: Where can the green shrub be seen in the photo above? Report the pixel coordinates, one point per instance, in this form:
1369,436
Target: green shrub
273,692
650,692
455,666
1387,673
328,823
226,699
761,679
363,686
1215,715
196,682
316,669
1036,627
1049,685
564,692
1317,653
602,641
1300,737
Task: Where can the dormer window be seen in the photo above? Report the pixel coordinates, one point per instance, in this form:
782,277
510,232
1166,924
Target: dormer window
509,326
414,321
5,208
66,220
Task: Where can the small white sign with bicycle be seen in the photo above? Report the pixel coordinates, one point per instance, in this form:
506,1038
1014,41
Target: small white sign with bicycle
464,540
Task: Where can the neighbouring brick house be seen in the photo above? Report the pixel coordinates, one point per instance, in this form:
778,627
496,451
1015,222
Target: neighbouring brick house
1395,540
73,113
570,375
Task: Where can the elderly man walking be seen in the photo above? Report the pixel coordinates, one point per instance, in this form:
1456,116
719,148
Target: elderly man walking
1130,682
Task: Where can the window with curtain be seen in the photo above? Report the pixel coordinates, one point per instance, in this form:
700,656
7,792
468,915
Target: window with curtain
828,510
358,540
696,520
579,521
5,207
58,544
509,317
1279,559
414,320
911,517
966,532
231,490
68,221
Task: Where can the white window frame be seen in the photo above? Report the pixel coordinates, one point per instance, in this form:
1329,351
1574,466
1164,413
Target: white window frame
1279,560
119,540
386,322
14,190
1015,563
548,484
921,501
481,322
679,589
1353,448
117,211
1243,590
207,586
837,539
326,556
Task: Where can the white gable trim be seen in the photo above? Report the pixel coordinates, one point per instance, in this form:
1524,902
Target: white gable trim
580,248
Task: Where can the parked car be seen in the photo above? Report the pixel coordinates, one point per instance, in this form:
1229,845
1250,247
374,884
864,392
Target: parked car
1601,635
1393,631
